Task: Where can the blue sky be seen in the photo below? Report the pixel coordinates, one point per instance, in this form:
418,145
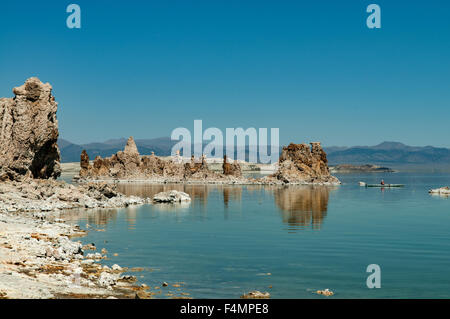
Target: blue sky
311,68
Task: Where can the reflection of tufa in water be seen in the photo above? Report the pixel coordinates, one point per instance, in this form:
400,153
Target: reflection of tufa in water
303,206
98,217
231,192
300,206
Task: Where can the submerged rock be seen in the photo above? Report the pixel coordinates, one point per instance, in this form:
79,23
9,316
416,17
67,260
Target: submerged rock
171,197
325,292
442,191
256,295
29,133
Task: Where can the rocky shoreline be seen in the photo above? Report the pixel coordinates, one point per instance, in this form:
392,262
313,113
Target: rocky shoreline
37,257
39,260
51,195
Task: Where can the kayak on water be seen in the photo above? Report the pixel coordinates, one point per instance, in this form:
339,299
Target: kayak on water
380,185
386,185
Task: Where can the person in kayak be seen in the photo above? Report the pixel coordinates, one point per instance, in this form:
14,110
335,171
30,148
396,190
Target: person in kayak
382,182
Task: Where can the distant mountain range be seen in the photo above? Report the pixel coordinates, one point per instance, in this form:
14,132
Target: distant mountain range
70,152
387,153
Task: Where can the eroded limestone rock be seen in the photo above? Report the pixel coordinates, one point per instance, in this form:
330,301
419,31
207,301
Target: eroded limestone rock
197,169
129,164
84,164
298,164
233,169
29,133
301,163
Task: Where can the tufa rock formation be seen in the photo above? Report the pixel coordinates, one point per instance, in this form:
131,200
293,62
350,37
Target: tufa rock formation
300,163
226,166
197,170
129,164
131,148
231,169
84,164
28,133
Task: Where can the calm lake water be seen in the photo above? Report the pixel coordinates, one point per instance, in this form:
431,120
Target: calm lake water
289,241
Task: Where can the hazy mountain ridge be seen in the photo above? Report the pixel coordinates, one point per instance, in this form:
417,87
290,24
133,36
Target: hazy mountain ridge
390,153
70,152
386,153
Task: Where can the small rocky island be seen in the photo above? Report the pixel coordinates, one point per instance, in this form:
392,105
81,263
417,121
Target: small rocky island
368,168
298,164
